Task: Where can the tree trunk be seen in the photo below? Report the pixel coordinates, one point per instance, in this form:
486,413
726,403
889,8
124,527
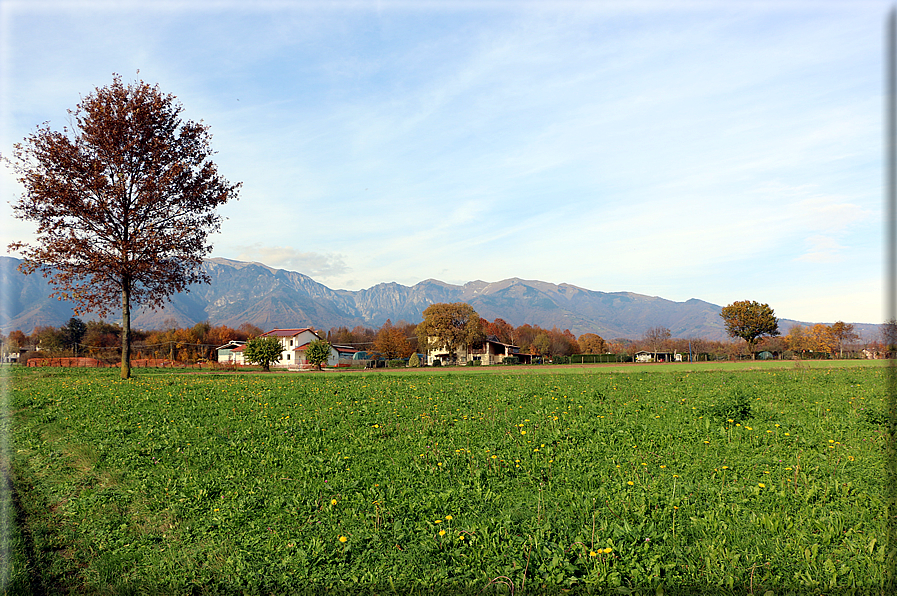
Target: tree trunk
126,329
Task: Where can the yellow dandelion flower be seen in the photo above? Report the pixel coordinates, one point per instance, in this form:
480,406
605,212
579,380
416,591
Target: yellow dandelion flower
593,554
630,483
608,549
442,532
761,485
342,538
333,501
448,518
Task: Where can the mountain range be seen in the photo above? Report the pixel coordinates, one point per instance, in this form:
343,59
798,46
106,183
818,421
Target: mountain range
242,292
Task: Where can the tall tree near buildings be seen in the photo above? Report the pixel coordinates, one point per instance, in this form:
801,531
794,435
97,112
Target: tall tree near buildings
390,341
524,337
73,332
798,339
264,351
124,202
655,337
50,340
749,320
449,326
887,333
542,344
843,332
823,338
592,343
500,329
17,340
317,353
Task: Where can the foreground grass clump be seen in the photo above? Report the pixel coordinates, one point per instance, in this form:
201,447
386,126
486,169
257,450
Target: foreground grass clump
753,480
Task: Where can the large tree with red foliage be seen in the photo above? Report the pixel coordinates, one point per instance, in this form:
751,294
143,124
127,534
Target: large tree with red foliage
124,201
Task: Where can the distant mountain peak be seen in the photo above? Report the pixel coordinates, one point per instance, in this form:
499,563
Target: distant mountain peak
247,292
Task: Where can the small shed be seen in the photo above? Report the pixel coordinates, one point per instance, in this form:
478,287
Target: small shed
231,352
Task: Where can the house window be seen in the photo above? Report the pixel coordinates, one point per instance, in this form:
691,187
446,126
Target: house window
288,356
291,343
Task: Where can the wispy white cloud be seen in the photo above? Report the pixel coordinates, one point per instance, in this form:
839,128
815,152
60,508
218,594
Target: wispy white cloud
822,249
286,257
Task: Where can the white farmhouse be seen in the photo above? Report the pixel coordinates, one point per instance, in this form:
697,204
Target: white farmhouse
293,343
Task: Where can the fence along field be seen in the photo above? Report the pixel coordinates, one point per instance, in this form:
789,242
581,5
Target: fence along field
751,482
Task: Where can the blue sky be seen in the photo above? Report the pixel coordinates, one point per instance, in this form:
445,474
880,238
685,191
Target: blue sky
714,150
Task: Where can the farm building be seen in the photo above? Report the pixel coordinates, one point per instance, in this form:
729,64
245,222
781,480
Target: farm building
490,351
648,356
294,342
346,354
231,352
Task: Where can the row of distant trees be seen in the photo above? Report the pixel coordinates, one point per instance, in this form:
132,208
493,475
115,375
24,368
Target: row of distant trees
101,340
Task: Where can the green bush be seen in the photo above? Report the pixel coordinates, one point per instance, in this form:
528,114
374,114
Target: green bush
473,363
735,406
264,351
396,363
414,361
511,360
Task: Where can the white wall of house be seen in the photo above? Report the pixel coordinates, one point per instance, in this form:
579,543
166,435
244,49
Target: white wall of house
300,359
291,340
288,355
436,352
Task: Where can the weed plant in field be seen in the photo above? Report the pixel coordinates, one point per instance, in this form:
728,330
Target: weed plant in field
750,480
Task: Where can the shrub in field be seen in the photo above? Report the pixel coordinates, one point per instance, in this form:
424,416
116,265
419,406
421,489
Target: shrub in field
414,361
734,406
396,363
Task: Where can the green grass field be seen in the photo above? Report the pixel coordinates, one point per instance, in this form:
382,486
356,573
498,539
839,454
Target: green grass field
751,479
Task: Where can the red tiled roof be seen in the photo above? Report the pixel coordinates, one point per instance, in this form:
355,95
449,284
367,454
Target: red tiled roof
302,348
285,332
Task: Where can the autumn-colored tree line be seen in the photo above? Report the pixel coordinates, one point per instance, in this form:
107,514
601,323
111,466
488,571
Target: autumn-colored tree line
400,340
101,340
